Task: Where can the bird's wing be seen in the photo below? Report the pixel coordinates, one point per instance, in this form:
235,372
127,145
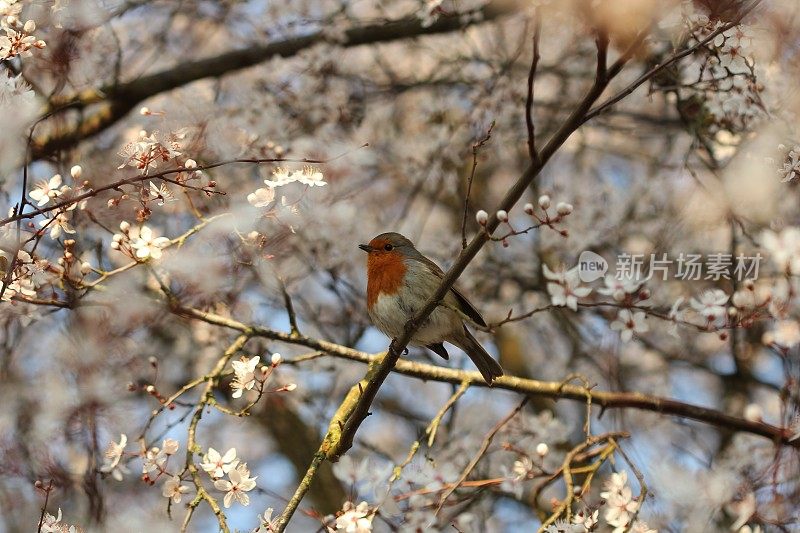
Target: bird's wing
464,305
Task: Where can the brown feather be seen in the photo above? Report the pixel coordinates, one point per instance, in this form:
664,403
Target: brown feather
464,305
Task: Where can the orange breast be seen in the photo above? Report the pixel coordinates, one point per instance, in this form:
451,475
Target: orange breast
385,273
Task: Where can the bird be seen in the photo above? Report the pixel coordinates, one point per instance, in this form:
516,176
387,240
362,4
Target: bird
400,280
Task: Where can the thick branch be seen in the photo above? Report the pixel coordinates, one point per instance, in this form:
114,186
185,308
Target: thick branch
531,387
117,100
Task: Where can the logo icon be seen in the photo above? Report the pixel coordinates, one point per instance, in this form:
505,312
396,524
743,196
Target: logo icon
591,266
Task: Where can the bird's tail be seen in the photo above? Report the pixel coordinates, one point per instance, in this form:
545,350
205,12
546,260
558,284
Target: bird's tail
488,367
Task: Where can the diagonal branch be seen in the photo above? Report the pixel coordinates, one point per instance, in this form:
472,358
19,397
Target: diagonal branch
672,59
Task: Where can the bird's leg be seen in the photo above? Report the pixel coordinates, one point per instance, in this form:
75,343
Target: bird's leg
393,347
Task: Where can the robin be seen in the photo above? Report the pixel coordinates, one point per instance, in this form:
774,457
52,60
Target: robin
399,282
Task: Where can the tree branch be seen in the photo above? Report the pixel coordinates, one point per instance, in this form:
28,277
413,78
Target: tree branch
531,387
117,100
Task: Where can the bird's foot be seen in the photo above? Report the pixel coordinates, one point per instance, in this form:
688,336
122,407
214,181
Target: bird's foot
393,347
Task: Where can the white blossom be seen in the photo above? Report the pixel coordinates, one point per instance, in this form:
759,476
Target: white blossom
112,459
784,333
310,176
628,323
586,518
237,485
154,460
173,489
147,245
564,287
711,304
161,193
46,190
261,197
267,522
618,288
244,375
354,518
57,224
53,524
218,465
784,249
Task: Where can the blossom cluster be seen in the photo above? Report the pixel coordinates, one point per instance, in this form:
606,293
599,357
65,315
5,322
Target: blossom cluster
19,39
53,524
139,243
239,482
245,376
53,190
724,75
151,149
264,197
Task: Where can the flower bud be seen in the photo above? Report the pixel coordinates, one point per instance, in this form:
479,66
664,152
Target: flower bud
542,449
749,284
29,27
190,163
753,412
528,209
482,217
544,201
76,172
291,386
276,359
124,225
40,44
144,110
502,215
86,268
115,245
563,208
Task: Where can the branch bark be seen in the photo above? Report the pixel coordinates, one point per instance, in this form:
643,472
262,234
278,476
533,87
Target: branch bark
531,387
117,100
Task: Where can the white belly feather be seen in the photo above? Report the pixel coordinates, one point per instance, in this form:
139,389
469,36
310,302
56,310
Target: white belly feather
390,314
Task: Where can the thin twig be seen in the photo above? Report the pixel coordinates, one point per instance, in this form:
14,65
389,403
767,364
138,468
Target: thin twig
475,148
532,152
481,451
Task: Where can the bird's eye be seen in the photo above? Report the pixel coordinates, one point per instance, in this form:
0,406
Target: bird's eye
388,247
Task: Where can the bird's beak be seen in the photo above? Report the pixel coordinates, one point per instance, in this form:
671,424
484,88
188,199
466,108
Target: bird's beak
366,247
